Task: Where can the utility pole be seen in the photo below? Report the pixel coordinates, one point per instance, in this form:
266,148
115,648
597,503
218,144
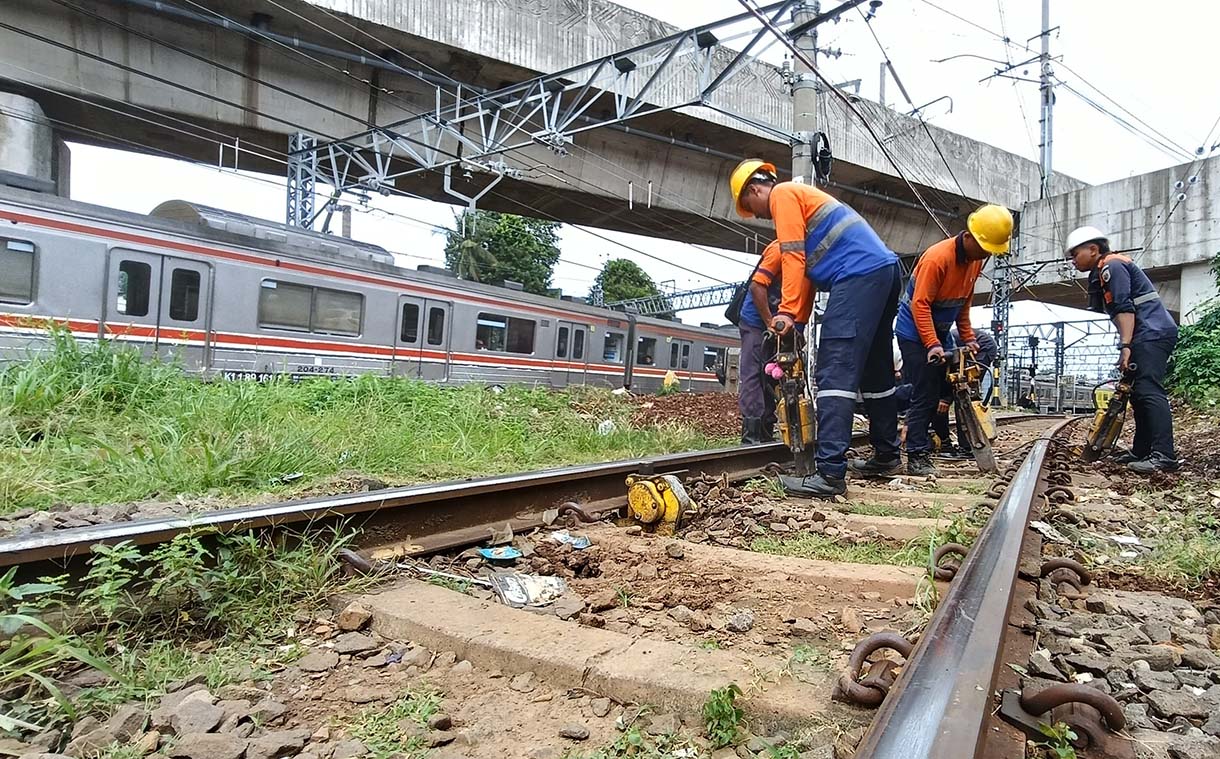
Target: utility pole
1047,90
804,94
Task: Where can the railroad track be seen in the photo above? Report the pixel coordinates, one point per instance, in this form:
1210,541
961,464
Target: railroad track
942,705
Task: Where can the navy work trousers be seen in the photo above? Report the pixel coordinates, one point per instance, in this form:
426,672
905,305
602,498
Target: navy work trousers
926,383
755,398
1149,404
855,351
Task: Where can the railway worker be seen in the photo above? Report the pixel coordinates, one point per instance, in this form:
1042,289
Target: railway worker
755,399
825,244
940,422
1147,334
938,295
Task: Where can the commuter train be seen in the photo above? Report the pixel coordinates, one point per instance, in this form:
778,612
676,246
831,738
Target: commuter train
234,296
1047,394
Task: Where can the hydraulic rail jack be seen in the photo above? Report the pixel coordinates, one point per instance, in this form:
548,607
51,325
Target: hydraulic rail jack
793,407
1108,421
965,377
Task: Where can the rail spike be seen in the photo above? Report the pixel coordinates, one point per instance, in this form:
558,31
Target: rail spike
872,690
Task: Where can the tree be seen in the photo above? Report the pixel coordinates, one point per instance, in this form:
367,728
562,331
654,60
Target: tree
499,246
621,279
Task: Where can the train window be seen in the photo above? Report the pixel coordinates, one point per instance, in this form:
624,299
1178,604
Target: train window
646,351
578,343
673,355
409,331
282,305
510,334
184,295
436,325
685,355
712,357
17,272
135,284
561,346
613,352
336,312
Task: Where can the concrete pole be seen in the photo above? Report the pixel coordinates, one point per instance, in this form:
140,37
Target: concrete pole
804,96
1047,90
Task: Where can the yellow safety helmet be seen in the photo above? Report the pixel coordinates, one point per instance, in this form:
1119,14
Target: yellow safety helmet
991,227
742,175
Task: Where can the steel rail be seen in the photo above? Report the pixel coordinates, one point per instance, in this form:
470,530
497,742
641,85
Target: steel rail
401,513
428,517
939,706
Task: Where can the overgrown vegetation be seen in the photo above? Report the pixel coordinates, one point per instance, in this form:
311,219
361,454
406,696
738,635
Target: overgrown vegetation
917,552
230,597
90,422
1059,740
1187,552
722,717
381,729
1194,368
634,743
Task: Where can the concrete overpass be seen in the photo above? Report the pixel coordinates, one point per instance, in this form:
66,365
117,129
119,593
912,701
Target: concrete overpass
198,89
1181,221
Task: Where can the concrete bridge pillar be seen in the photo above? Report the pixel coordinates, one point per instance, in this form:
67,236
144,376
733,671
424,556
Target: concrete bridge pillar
1198,286
32,157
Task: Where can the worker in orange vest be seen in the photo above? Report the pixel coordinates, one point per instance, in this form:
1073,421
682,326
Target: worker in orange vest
1147,336
825,244
937,297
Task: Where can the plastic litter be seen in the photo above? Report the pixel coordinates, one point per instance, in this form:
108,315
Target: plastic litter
1049,532
516,589
579,542
606,427
500,553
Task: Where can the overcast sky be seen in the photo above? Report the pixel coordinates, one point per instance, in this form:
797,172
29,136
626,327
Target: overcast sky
1158,64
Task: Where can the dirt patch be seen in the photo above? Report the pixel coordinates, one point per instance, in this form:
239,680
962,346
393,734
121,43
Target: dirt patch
1208,590
713,414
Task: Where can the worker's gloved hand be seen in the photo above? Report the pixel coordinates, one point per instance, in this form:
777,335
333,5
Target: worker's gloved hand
1124,359
936,355
781,324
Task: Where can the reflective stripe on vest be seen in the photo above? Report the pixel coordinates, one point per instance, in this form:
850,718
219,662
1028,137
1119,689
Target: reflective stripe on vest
817,241
1146,298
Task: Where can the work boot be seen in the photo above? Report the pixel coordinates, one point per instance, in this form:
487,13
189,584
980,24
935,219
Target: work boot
920,465
751,430
1155,462
814,486
1125,457
875,467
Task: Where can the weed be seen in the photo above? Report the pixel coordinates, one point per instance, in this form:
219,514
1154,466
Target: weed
119,751
810,656
722,717
768,486
624,596
379,730
1060,737
709,644
1187,551
460,586
91,422
786,751
635,744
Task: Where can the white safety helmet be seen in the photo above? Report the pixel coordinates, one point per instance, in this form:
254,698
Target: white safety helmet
1081,235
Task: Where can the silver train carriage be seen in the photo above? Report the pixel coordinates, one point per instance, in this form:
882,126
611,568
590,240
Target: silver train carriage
230,295
1048,394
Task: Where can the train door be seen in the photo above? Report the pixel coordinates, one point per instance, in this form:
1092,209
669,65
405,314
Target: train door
682,367
571,353
437,331
184,328
408,345
133,295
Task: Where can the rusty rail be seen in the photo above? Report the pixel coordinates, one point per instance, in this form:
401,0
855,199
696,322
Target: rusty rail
938,709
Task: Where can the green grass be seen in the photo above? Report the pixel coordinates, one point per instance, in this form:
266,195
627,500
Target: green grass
378,728
217,605
917,552
93,423
1190,552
